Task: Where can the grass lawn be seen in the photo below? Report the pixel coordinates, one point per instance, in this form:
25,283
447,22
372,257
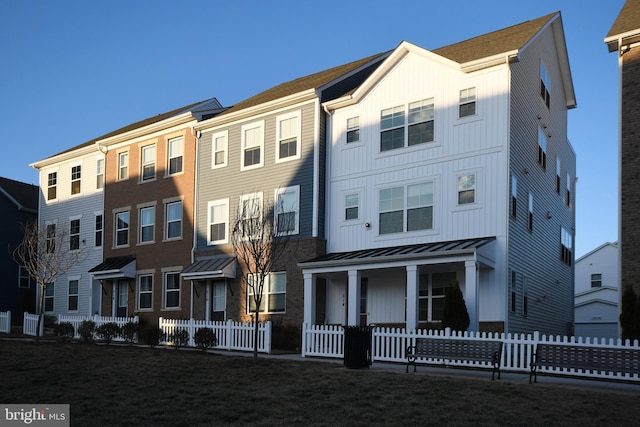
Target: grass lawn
140,386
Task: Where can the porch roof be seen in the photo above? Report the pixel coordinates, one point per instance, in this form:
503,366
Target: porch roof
115,267
215,267
398,253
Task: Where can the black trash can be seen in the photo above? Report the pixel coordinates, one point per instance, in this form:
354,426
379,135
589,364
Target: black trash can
357,346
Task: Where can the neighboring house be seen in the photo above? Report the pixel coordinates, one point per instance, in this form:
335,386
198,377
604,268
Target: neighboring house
624,39
18,208
452,167
268,148
148,214
597,293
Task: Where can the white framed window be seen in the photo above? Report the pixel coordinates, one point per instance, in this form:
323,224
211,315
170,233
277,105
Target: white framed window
52,186
418,206
219,305
545,85
274,294
431,293
219,149
566,246
99,174
525,296
172,289
351,206
146,220
353,129
391,210
148,163
123,165
392,128
514,196
24,279
145,292
558,179
421,115
121,228
252,146
530,217
74,234
467,106
420,125
99,227
288,137
73,295
76,175
596,280
467,189
287,210
218,220
542,148
175,155
567,198
250,210
173,226
49,295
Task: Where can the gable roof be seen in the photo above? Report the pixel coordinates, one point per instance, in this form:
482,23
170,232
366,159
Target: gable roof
23,195
626,27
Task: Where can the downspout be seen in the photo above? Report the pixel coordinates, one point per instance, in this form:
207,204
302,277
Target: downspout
505,276
620,287
195,216
327,173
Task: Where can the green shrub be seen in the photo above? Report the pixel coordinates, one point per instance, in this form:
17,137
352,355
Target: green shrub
454,312
86,330
286,337
108,331
205,338
64,330
150,335
130,332
180,338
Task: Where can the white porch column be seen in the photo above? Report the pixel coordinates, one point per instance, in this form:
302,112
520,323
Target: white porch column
471,294
412,297
208,292
114,297
309,299
353,299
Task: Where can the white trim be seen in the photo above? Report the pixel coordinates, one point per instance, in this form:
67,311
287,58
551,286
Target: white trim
279,119
214,203
260,127
224,134
296,208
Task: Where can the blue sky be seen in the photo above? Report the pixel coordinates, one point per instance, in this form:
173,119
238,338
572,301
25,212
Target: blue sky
74,70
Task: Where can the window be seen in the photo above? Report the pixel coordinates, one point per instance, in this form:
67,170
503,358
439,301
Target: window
52,185
514,289
176,154
147,224
250,207
145,291
219,301
288,137
219,150
122,228
419,208
100,173
218,222
24,279
148,165
567,199
252,146
466,189
530,220
467,102
287,210
566,246
392,128
48,297
123,165
545,85
274,294
174,220
172,290
525,296
431,291
596,280
514,196
98,230
421,121
351,202
76,172
353,129
558,175
73,295
51,237
74,235
542,148
420,125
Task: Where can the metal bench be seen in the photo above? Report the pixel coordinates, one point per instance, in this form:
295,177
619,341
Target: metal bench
451,349
585,358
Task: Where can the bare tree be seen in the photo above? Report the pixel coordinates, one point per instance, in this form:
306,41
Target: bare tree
46,253
261,235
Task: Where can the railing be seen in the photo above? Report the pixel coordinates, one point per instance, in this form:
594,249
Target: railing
230,335
390,344
30,325
5,322
99,320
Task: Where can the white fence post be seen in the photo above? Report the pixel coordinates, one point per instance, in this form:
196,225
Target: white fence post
5,322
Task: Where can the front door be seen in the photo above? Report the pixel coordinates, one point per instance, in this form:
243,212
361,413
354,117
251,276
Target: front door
123,298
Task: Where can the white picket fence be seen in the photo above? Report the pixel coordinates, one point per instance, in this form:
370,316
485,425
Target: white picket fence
230,335
390,344
30,325
5,322
99,320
